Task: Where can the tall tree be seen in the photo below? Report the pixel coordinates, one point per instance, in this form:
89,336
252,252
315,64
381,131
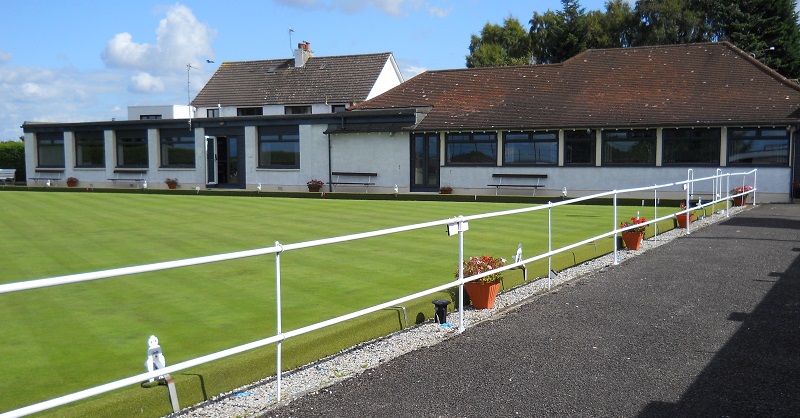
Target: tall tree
769,30
500,45
558,36
612,29
662,22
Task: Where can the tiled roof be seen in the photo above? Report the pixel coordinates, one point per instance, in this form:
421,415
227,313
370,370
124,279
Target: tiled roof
679,85
336,79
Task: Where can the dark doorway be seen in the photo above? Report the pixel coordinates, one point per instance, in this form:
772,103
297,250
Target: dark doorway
425,162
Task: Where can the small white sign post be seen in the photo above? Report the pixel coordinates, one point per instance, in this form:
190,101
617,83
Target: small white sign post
155,360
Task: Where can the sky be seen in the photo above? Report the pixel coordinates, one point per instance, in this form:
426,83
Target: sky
87,60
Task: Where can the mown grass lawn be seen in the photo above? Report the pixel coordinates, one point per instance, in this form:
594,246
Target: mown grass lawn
62,339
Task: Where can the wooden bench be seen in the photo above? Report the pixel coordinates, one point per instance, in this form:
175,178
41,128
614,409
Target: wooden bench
346,174
130,178
47,176
502,176
8,175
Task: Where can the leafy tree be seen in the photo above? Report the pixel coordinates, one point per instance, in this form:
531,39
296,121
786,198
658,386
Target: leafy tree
769,30
558,36
500,45
612,29
12,155
662,22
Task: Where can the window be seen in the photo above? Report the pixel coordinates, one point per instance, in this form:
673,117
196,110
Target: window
177,148
471,148
530,148
149,117
297,110
90,149
132,148
50,149
212,113
758,146
691,146
249,111
636,146
338,108
579,147
278,147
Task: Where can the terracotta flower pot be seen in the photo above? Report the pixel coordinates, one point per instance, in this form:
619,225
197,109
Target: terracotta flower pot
172,185
740,201
314,188
482,294
632,239
72,183
682,220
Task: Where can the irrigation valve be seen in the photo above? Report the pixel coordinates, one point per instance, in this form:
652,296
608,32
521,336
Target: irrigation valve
155,358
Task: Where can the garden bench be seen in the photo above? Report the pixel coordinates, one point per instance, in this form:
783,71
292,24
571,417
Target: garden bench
129,176
8,175
515,185
347,174
47,176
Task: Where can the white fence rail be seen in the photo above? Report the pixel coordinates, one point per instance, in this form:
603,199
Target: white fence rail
718,196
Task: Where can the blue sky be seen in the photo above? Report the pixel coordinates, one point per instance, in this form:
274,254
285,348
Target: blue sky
71,60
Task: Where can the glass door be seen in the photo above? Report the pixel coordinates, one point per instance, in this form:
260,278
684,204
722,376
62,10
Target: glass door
425,162
211,160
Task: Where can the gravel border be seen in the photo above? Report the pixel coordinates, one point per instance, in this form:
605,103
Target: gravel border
260,397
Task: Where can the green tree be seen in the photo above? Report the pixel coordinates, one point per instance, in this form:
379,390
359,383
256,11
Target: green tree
558,36
768,29
12,155
662,22
500,45
612,29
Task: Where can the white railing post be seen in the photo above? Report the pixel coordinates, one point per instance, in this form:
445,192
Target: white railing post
616,234
689,190
549,244
461,274
755,186
279,319
655,213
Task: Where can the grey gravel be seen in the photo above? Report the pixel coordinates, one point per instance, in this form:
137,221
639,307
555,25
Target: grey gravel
260,397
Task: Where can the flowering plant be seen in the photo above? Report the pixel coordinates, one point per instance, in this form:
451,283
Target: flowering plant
740,190
634,221
169,181
477,265
315,182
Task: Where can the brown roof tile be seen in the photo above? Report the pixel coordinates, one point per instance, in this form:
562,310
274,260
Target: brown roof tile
336,79
680,85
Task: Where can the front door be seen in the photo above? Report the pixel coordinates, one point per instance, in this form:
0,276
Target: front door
223,165
425,162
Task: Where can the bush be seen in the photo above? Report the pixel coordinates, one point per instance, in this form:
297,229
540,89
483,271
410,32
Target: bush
12,155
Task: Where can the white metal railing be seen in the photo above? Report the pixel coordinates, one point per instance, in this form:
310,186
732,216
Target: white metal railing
458,225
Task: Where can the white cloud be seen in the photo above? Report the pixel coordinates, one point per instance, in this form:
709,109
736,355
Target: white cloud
180,39
411,71
146,83
4,57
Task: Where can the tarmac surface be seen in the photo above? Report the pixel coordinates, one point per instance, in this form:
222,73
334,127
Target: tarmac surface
707,325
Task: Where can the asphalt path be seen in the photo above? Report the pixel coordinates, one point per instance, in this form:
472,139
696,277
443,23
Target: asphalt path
707,325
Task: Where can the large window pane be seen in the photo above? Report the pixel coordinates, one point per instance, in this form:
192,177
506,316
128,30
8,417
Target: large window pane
90,149
132,148
758,146
530,148
691,146
177,148
629,147
579,147
50,149
278,147
471,148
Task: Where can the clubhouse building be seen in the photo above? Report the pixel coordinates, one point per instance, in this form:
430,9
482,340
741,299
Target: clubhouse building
602,120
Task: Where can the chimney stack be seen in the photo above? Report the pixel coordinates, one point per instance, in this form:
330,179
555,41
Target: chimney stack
302,54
